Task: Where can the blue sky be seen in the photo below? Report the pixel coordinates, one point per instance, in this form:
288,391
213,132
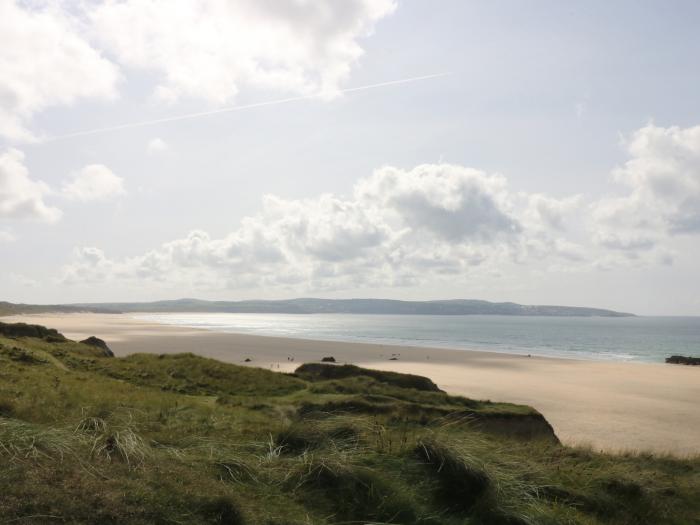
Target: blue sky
558,162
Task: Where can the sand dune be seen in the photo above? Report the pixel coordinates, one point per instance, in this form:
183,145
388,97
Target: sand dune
610,406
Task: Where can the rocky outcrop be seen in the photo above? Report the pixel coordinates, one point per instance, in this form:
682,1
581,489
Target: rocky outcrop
98,343
683,360
28,330
323,372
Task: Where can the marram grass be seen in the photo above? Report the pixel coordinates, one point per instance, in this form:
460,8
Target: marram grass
183,439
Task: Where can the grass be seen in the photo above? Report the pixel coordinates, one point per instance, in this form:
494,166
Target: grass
322,372
183,439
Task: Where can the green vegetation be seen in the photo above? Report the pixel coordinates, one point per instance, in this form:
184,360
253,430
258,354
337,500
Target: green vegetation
28,330
18,308
145,439
356,306
321,372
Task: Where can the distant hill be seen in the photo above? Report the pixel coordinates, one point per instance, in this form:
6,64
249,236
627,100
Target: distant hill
356,306
19,308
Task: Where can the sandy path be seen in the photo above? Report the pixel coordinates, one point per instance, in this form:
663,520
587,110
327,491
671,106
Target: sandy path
611,406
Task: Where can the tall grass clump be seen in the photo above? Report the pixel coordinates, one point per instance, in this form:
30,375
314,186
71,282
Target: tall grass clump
466,484
332,431
119,442
353,492
23,441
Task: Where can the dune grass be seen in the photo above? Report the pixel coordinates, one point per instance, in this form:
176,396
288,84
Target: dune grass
183,439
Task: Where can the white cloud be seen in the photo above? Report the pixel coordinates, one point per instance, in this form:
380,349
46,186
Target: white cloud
634,242
6,236
398,227
662,177
51,52
436,222
663,174
157,145
94,182
23,280
210,48
450,201
44,62
20,196
550,212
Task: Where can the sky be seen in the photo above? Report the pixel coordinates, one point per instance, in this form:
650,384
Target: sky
542,152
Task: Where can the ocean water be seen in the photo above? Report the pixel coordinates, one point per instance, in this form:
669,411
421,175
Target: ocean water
644,339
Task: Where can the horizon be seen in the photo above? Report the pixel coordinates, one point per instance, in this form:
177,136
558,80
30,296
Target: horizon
542,154
453,299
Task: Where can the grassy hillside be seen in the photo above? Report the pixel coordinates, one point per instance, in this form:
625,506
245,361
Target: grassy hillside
19,308
358,306
183,439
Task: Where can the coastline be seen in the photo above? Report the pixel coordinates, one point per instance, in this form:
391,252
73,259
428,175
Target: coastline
612,406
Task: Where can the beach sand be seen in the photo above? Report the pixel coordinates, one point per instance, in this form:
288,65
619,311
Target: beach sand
609,406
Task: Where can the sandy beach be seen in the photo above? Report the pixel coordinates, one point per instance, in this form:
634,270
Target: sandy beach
609,406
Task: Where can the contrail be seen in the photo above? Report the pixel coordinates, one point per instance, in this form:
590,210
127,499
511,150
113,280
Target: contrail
176,118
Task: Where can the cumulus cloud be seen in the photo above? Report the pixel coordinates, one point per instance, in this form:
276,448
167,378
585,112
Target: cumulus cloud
453,202
20,196
627,242
662,176
55,54
157,145
549,212
22,280
93,183
436,221
209,49
398,227
44,62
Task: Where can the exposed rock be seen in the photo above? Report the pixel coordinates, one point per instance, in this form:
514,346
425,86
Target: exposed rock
28,330
98,343
683,360
247,360
329,359
323,372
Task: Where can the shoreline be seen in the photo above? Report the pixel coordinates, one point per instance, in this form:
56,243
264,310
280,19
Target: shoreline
547,348
608,405
533,353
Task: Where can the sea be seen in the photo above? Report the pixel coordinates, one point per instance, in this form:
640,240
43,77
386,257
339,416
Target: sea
640,339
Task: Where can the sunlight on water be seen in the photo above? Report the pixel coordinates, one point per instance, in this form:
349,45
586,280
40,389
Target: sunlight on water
648,339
